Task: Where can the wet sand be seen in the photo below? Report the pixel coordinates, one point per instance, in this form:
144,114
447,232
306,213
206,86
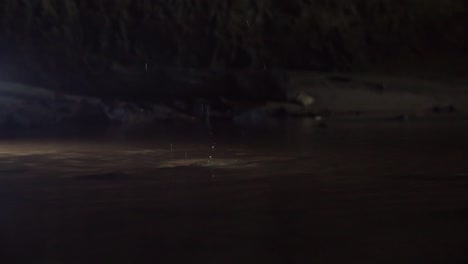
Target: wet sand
355,192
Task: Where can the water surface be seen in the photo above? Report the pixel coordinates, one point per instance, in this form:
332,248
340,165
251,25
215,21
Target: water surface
289,192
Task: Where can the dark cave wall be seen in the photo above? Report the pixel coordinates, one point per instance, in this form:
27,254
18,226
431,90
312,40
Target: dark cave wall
72,38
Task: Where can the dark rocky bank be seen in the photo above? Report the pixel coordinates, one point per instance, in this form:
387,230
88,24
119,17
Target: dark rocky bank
149,49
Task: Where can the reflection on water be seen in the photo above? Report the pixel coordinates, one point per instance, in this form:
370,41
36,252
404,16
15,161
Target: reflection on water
291,193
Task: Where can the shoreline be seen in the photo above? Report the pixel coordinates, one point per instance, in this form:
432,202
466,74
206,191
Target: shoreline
308,95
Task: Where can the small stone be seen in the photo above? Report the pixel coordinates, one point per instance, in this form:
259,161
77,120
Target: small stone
305,99
302,98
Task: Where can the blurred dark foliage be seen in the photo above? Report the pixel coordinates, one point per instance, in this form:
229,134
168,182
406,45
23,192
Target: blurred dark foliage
75,38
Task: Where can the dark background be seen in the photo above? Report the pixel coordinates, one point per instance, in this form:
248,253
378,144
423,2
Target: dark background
95,47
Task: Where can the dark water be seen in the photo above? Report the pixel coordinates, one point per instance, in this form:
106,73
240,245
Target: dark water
355,192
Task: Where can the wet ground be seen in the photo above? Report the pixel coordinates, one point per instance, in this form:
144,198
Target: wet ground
289,192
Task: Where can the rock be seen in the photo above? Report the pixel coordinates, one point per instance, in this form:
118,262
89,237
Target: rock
37,108
116,113
305,99
127,113
301,98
